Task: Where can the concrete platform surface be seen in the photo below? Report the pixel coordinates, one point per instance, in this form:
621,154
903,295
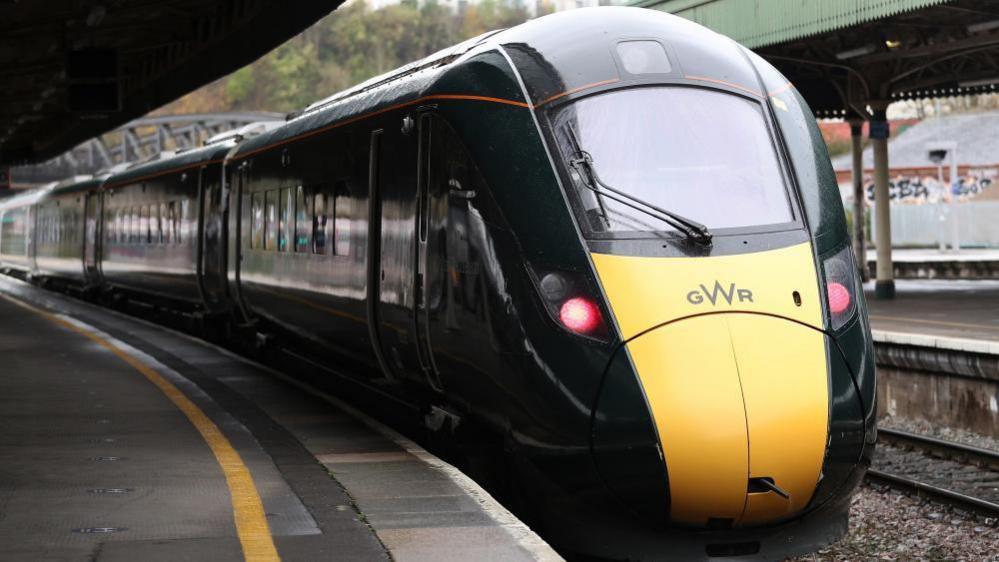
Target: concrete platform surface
100,460
946,311
934,264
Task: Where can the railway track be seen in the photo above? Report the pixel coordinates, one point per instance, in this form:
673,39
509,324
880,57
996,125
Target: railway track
948,452
983,458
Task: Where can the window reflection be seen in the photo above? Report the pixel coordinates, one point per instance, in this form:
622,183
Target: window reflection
704,154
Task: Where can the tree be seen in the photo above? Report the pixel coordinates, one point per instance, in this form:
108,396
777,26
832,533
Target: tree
345,48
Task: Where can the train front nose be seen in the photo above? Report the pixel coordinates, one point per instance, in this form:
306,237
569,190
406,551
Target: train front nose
740,405
731,360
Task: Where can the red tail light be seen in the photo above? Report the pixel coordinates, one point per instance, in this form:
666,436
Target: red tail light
839,297
841,287
580,315
570,299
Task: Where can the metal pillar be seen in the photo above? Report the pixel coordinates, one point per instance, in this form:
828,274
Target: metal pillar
884,288
859,197
955,229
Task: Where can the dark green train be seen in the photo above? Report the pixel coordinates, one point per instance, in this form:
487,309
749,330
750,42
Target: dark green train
609,239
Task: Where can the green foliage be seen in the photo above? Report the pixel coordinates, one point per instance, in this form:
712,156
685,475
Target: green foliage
347,47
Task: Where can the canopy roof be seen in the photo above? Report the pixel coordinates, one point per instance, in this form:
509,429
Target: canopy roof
846,54
71,69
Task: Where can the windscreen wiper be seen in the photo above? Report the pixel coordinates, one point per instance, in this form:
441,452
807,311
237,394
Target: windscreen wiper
583,162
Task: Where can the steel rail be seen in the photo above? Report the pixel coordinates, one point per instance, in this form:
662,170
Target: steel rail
935,493
983,458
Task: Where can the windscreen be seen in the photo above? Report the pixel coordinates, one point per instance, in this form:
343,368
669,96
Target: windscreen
702,154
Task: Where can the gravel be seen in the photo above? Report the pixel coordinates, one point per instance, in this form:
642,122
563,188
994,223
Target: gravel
887,525
923,427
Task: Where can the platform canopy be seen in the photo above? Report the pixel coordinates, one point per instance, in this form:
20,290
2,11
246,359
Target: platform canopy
72,69
843,54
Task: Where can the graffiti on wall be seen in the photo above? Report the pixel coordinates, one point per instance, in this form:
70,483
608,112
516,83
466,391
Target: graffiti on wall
927,189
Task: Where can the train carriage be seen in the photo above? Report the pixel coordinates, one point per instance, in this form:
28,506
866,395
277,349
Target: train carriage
156,242
65,232
17,220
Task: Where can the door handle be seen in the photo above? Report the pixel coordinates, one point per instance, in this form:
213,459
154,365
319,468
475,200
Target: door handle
462,193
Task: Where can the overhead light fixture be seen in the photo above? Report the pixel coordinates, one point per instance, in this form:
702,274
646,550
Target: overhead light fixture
858,52
983,26
892,44
978,82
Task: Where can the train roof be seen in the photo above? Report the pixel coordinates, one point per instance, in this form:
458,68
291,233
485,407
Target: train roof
214,151
171,163
578,50
29,197
556,55
76,184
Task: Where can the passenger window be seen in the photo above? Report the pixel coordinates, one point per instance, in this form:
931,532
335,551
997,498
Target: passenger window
319,215
257,221
144,224
134,219
302,216
175,214
168,222
183,225
271,224
341,222
161,228
286,217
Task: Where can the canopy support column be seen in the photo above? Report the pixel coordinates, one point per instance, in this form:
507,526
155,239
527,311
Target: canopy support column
859,197
884,288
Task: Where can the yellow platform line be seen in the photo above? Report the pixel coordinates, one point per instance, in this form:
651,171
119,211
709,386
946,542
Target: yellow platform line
248,510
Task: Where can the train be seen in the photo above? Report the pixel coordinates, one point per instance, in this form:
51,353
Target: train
609,239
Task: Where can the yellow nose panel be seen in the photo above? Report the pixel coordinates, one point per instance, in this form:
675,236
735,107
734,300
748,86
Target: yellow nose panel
692,385
782,368
735,396
645,292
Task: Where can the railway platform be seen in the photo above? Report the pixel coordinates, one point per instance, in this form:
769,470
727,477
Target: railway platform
950,314
122,440
969,263
937,351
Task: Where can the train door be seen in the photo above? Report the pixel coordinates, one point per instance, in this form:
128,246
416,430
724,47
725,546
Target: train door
212,243
91,239
452,311
391,239
239,223
427,278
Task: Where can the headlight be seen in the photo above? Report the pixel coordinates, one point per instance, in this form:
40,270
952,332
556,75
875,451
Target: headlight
841,287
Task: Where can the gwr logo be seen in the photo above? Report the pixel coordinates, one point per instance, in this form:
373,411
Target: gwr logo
698,296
